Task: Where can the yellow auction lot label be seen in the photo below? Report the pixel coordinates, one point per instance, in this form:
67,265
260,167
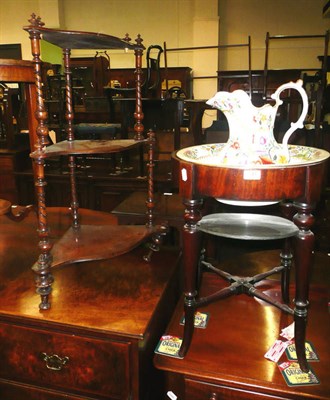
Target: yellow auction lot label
294,376
200,321
311,354
169,346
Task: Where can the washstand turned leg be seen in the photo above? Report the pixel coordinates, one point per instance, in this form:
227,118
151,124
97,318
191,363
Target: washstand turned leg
303,256
191,243
286,262
287,211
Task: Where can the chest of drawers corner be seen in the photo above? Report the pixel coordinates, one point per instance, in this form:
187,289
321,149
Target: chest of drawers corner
97,340
99,368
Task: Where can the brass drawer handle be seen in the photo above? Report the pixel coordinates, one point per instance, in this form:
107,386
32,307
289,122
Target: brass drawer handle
54,362
214,396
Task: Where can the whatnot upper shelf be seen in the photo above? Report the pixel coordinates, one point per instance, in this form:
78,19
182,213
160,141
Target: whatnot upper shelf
83,40
85,147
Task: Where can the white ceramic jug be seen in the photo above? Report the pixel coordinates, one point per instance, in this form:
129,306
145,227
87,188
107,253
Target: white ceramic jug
251,138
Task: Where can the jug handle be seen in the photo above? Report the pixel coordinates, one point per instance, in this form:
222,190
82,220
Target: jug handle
300,122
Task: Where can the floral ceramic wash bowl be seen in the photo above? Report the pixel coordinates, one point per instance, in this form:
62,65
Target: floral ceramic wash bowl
251,138
212,155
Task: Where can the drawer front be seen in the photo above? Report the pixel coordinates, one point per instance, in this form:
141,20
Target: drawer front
96,367
204,391
10,391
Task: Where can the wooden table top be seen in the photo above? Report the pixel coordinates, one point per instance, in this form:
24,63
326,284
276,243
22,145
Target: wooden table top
117,296
230,351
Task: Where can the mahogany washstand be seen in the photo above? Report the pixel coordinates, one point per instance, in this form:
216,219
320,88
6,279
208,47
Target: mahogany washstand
298,184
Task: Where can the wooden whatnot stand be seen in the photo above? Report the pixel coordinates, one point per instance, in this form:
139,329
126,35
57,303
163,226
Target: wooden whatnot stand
81,242
300,182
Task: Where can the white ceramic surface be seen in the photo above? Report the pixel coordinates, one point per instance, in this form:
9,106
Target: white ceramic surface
251,137
210,155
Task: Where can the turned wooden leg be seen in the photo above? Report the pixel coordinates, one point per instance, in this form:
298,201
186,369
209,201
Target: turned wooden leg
286,262
288,211
44,278
74,205
304,245
191,244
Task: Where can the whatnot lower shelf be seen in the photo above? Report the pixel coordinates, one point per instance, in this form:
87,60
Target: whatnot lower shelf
84,147
96,242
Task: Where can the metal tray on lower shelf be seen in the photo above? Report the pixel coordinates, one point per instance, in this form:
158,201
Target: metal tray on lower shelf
247,226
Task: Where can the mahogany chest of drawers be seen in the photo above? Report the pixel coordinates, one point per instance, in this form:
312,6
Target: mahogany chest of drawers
98,338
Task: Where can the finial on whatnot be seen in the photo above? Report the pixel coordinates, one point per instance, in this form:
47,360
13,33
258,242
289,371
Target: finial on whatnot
36,21
139,40
127,38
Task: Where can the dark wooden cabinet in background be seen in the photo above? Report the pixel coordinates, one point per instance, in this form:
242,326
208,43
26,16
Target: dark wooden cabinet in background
11,162
86,68
15,125
176,76
233,80
95,192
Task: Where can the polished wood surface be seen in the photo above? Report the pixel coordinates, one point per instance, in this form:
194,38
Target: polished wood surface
297,182
107,317
227,358
20,280
16,71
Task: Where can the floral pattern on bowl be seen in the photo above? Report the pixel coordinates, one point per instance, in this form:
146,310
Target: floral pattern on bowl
212,155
